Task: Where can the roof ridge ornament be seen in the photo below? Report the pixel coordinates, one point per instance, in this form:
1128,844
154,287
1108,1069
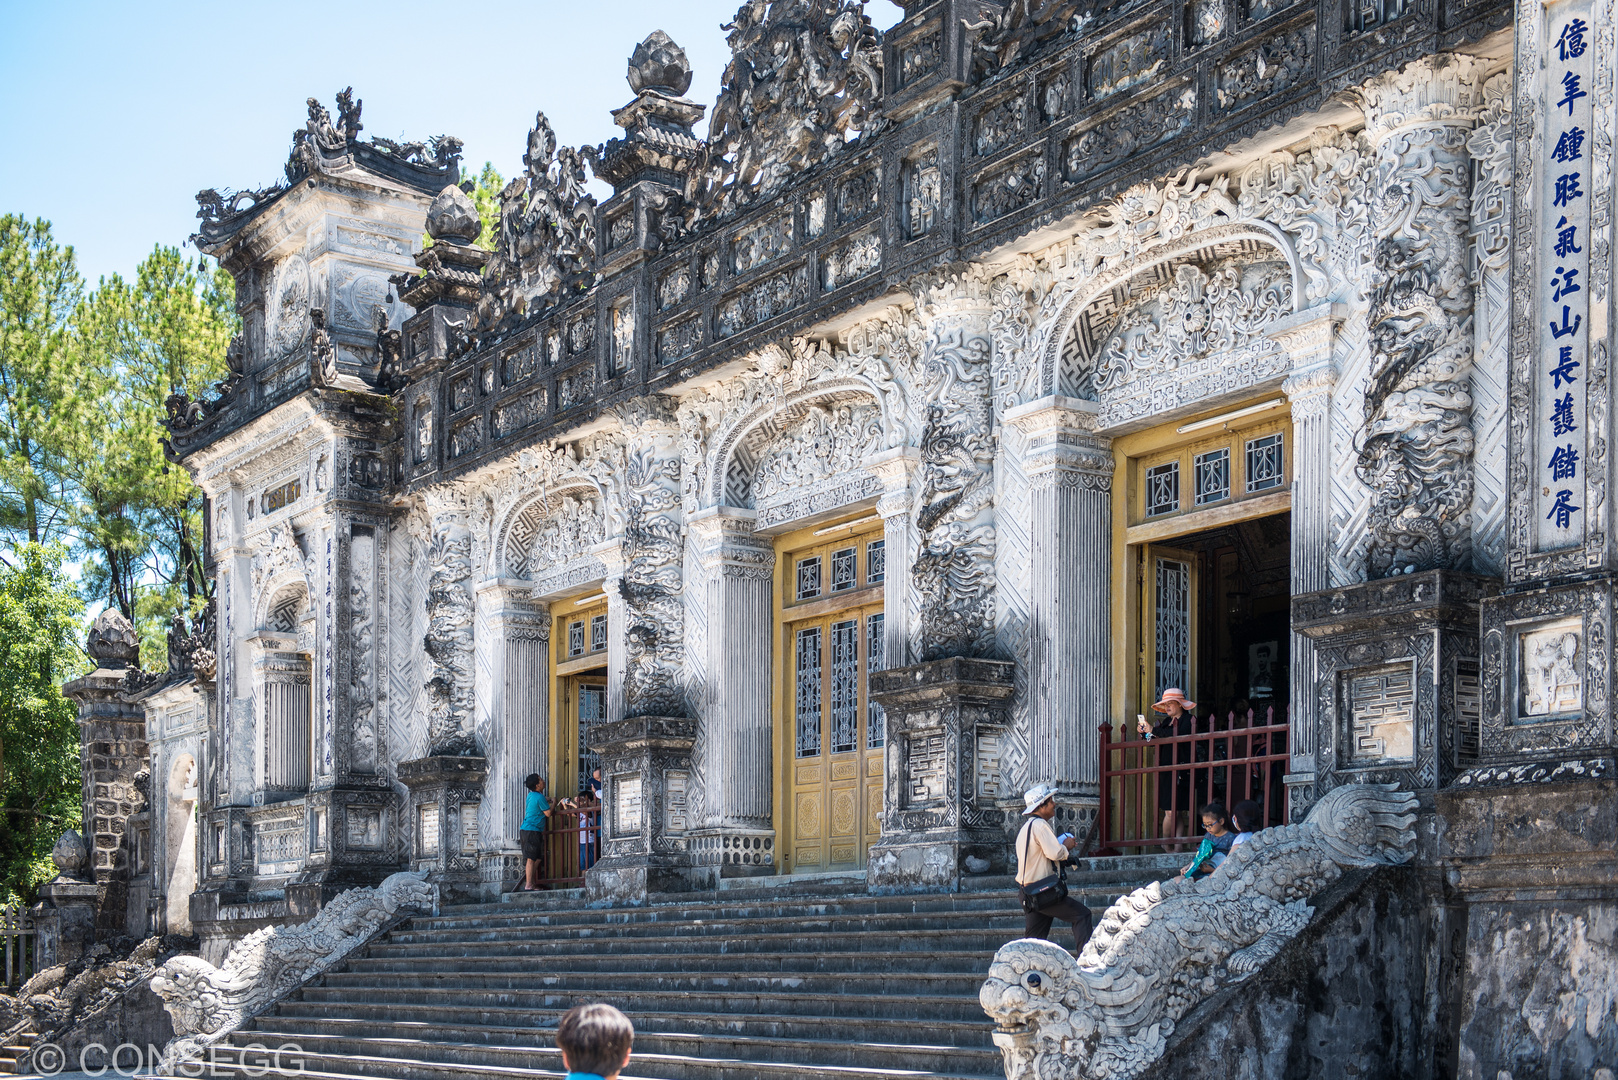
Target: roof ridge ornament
804,78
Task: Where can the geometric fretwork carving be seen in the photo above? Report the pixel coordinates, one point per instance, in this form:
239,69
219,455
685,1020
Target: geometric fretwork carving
1382,712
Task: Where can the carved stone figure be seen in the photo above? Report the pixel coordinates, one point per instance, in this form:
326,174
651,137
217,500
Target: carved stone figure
803,74
1161,950
207,1003
547,231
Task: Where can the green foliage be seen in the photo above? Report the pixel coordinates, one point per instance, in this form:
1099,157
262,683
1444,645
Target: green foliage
138,520
40,290
485,196
39,738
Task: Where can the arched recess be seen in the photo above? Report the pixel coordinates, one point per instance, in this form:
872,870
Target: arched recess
285,604
1186,298
551,529
180,838
814,435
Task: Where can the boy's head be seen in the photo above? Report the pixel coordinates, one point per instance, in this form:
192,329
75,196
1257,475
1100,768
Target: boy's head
595,1039
534,782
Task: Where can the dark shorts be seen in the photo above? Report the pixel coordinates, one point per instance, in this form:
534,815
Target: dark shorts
533,843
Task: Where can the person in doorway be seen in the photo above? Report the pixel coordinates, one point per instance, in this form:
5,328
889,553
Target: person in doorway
1039,850
588,808
532,833
595,1041
1173,788
595,783
1217,840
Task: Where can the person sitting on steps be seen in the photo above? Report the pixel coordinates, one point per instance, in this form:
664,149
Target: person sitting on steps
1039,849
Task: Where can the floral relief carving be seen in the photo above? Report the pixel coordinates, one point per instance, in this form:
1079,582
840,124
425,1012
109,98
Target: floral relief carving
362,649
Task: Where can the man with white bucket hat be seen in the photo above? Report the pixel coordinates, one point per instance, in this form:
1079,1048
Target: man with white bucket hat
1041,886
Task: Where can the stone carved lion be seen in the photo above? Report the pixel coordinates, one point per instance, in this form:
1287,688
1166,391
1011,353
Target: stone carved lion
207,1003
1161,950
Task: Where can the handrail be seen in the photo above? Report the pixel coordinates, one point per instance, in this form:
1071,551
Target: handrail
1217,761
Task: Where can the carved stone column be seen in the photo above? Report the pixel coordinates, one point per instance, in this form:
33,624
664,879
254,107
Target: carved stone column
949,712
281,674
450,698
1069,593
1308,338
1415,453
513,708
645,606
735,835
444,807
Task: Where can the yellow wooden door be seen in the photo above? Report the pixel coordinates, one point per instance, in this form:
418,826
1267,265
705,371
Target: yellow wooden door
837,738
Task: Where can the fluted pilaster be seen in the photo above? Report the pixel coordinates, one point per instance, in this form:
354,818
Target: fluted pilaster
737,730
1069,472
513,703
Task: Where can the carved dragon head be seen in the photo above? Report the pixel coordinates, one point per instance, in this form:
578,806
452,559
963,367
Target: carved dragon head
1035,988
406,890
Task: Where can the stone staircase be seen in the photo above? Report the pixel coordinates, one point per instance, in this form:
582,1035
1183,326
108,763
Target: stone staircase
16,1048
777,979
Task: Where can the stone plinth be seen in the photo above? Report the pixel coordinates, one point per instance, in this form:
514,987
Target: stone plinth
645,770
65,917
1396,680
445,797
946,723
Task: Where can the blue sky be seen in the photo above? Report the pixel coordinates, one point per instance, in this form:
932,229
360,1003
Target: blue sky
113,116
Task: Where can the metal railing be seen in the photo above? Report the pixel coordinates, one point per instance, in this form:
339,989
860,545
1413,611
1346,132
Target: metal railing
1153,790
19,943
572,845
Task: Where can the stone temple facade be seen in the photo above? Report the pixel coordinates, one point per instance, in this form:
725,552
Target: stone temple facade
973,381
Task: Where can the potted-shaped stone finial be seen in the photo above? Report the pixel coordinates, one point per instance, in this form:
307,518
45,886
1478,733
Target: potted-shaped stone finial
113,643
453,218
659,64
70,856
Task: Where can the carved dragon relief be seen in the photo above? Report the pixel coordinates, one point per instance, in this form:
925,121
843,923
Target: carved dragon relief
207,1003
1160,951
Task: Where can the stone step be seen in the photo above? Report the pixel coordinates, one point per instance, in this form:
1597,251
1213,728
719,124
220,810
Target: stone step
722,957
494,987
776,907
781,943
810,925
533,1053
538,1027
649,1067
509,1006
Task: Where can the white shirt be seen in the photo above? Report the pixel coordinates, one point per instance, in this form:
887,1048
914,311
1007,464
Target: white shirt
1038,851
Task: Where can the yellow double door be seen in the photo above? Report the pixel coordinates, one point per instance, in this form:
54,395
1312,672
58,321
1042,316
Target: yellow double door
834,740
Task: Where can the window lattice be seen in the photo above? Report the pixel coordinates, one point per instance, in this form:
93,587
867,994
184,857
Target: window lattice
808,578
876,651
808,695
1173,624
1163,489
1212,476
844,571
845,685
1265,468
598,633
876,561
575,638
